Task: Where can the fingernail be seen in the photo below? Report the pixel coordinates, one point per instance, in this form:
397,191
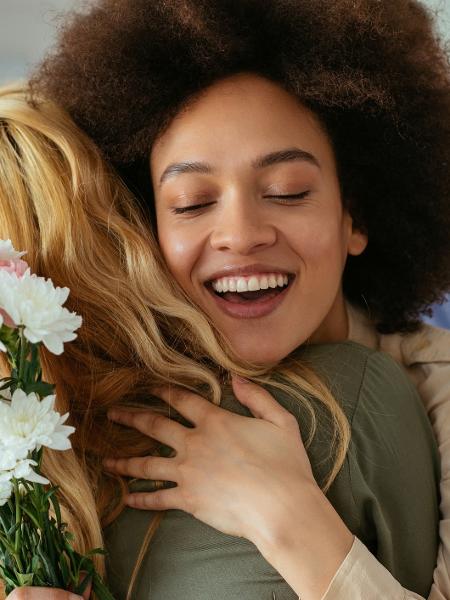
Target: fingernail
75,597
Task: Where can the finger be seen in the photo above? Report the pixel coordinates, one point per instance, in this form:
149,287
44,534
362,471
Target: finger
146,467
187,403
87,591
165,499
261,403
41,593
152,424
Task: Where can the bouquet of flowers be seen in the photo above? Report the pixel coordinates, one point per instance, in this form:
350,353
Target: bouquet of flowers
35,546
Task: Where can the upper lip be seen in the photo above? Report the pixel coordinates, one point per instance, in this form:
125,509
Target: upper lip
243,270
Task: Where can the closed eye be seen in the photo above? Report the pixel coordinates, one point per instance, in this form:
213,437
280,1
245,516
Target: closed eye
184,209
292,196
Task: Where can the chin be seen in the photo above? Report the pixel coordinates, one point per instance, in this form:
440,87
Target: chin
263,353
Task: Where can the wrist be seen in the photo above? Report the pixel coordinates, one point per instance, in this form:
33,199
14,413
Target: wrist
306,542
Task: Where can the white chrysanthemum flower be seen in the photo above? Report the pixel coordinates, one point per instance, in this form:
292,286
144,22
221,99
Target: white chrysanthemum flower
14,462
8,252
5,492
36,303
33,423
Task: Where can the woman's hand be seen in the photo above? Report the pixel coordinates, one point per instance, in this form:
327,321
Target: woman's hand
43,593
245,477
40,593
234,473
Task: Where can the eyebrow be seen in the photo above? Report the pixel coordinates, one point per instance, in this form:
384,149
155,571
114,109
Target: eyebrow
266,160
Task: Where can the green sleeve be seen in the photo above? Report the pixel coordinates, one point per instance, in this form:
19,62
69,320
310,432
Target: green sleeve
394,474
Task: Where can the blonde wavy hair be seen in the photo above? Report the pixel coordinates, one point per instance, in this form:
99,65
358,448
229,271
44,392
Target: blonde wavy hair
81,226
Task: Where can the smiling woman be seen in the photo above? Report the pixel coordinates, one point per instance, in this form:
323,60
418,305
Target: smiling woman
268,206
240,189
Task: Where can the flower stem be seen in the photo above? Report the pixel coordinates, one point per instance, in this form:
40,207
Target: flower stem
23,349
17,543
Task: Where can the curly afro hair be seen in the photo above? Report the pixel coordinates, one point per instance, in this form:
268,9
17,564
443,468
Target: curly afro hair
375,72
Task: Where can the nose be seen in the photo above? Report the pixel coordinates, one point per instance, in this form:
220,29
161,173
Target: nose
242,227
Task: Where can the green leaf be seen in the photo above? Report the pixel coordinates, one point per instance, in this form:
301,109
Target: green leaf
25,578
96,551
48,567
36,563
65,570
40,387
56,508
99,588
80,588
33,518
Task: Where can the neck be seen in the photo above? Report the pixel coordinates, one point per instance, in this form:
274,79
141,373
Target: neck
334,328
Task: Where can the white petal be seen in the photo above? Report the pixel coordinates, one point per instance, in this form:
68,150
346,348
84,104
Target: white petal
5,492
53,344
35,478
59,443
8,252
48,403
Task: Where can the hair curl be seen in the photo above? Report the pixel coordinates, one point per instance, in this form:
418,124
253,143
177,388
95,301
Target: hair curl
375,72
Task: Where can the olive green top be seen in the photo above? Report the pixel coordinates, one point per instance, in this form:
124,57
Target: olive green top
386,492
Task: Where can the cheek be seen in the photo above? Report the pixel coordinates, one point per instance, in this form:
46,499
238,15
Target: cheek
180,252
319,242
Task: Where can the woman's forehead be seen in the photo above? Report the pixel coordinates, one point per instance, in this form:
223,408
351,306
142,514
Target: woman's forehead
240,118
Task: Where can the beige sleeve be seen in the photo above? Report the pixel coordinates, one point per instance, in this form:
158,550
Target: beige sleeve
362,577
435,392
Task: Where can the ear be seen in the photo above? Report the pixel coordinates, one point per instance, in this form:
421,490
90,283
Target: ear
357,242
357,239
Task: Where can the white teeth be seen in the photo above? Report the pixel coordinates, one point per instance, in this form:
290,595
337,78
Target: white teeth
241,285
251,284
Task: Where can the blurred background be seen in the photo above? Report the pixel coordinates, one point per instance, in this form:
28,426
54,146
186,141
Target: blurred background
28,28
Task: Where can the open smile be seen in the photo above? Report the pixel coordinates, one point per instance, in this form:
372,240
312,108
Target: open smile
250,305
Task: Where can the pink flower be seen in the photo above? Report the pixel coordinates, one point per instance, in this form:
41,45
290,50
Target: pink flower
11,262
18,266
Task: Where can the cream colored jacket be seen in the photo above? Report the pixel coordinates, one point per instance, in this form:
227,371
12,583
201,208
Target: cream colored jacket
426,356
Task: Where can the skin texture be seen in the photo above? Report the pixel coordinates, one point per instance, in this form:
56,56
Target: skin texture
233,122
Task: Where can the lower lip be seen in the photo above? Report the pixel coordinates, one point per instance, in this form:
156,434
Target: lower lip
251,309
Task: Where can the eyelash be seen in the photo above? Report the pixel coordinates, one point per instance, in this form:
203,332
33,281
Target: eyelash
195,207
